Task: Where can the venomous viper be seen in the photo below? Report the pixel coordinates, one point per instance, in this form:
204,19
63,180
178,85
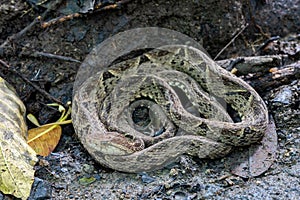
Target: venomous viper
143,112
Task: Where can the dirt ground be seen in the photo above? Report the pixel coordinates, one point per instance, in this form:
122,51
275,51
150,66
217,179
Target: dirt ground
273,27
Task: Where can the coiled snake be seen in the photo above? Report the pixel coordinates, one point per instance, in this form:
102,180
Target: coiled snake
145,109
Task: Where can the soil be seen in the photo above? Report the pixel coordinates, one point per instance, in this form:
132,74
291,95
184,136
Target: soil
70,173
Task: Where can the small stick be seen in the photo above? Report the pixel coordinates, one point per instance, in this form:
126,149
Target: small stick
268,41
60,19
26,80
98,8
232,40
59,57
19,34
28,27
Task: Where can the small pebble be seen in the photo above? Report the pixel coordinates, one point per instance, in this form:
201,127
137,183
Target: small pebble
173,172
284,96
64,170
88,168
147,179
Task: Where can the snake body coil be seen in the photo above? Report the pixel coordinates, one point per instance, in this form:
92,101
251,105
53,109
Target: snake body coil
142,113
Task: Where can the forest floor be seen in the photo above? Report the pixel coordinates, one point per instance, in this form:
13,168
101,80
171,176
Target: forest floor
272,28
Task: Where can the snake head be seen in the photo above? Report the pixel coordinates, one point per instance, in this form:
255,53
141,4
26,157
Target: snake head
114,143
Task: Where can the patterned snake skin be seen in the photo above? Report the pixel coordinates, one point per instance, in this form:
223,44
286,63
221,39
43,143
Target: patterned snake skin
144,111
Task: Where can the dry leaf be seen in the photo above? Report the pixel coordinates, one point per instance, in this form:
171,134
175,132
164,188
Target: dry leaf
45,138
16,157
47,142
257,158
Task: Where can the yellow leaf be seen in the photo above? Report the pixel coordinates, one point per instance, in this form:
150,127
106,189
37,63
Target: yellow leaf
45,139
16,157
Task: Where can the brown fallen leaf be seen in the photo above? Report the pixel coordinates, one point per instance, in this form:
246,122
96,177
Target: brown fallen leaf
44,139
46,143
256,159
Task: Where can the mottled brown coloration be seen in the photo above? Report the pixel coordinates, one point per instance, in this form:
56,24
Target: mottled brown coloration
203,110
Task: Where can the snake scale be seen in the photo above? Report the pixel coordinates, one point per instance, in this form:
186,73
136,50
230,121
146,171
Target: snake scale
145,110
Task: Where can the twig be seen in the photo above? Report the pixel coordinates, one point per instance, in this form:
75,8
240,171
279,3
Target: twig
118,4
28,27
97,8
59,57
60,19
234,62
43,92
232,40
267,42
261,31
19,34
